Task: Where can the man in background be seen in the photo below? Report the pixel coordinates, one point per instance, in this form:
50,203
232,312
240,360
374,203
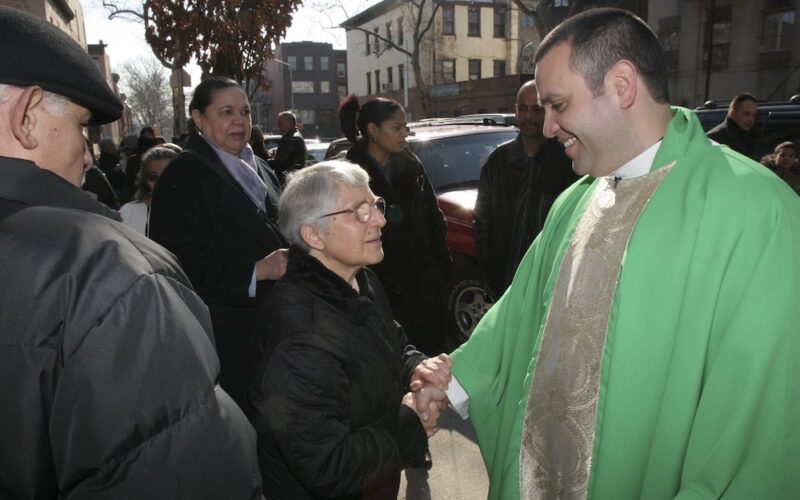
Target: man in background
737,130
519,183
291,152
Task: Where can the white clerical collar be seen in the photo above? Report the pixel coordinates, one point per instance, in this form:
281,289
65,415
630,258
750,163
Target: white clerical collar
638,166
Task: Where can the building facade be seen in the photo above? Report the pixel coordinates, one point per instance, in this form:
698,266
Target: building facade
752,46
66,14
308,78
467,42
122,127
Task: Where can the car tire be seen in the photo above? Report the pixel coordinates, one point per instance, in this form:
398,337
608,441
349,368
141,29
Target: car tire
467,302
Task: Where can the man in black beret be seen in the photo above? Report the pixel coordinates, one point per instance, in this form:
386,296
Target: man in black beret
107,360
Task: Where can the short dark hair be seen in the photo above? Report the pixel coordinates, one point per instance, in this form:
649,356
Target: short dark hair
743,97
289,115
600,38
204,92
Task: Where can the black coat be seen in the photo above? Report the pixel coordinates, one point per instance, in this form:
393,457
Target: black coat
290,154
327,398
416,260
733,136
107,359
515,194
95,181
201,214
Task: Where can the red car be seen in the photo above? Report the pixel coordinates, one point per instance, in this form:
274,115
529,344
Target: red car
453,153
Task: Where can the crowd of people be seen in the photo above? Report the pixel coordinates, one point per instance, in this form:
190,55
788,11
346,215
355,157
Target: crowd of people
245,327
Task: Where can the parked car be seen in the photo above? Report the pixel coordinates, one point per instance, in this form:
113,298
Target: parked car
453,154
271,141
776,122
315,152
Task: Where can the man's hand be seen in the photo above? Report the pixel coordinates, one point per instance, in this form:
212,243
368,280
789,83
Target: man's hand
273,265
434,371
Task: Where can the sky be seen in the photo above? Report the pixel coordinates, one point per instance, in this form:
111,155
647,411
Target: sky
125,39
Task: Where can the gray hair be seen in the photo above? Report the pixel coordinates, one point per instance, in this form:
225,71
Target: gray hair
54,103
312,192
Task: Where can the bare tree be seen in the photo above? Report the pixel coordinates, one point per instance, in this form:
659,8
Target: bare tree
421,15
228,37
146,85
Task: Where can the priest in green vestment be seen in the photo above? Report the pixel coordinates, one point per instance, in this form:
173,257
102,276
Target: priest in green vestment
649,345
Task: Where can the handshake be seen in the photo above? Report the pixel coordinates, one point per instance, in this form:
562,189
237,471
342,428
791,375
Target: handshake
427,397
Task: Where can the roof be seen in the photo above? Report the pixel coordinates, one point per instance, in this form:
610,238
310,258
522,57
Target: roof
371,13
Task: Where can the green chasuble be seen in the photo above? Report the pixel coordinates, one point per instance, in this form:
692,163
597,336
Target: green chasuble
699,394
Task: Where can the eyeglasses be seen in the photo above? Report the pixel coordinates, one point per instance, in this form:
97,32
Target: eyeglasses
363,212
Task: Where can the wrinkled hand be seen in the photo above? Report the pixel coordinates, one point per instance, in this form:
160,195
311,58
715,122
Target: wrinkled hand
273,265
436,401
431,377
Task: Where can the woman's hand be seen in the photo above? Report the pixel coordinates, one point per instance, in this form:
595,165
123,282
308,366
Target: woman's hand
273,266
436,402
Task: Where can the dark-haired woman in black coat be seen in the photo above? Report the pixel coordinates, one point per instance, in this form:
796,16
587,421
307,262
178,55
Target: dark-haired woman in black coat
415,269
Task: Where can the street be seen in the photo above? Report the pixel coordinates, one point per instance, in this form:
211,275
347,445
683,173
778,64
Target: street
458,472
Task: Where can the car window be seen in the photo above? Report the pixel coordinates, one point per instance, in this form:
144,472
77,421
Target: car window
456,161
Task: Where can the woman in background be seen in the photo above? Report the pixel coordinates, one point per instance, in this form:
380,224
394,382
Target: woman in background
215,208
415,269
136,214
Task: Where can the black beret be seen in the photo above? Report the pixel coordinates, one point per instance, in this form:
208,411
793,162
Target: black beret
34,52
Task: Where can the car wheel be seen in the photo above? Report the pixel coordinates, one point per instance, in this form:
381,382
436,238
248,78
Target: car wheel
467,302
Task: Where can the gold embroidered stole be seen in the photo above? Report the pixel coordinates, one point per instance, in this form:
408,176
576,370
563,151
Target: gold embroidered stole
559,427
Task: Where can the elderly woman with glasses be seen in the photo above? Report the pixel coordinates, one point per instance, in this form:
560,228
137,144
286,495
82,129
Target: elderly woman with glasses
332,409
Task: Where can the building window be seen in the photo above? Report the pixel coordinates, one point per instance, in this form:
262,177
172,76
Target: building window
448,19
388,32
292,60
669,32
323,63
377,41
342,91
369,83
303,87
340,70
325,87
778,31
474,69
720,44
500,23
400,39
401,75
448,70
308,63
474,21
499,68
377,81
390,77
527,20
367,42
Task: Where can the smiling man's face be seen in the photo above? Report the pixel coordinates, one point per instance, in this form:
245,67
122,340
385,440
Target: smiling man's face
581,121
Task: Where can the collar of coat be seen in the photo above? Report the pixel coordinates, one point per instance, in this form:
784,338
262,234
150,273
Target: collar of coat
30,185
330,287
